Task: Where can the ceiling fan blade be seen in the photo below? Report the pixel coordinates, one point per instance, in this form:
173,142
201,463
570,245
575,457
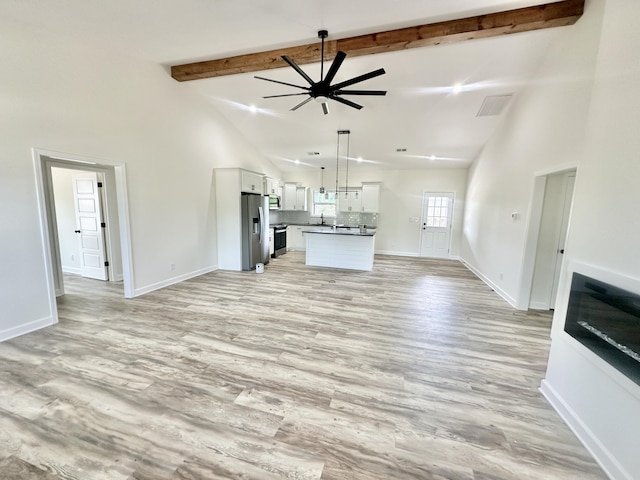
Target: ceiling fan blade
285,95
295,66
360,92
361,78
346,102
325,108
281,83
335,65
301,104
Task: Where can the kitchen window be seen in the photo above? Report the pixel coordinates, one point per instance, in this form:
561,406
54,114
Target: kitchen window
324,204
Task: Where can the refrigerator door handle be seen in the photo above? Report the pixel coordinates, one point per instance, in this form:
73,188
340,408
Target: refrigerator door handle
260,214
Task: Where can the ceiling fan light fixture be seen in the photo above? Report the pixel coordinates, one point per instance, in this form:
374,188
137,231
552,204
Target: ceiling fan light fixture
323,90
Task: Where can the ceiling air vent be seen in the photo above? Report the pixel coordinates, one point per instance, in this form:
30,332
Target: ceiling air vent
493,105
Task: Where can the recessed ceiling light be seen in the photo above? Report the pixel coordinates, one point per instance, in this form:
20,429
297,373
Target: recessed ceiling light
253,109
457,88
432,157
359,159
297,161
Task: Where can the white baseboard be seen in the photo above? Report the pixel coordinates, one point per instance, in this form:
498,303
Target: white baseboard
539,306
510,300
413,254
397,254
600,453
71,270
173,280
26,328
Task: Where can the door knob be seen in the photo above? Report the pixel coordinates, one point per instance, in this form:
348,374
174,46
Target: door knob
77,231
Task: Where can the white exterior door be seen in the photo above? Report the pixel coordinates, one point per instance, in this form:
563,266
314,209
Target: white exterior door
437,211
86,195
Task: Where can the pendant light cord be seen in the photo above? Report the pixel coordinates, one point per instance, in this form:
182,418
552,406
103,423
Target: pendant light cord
337,162
346,186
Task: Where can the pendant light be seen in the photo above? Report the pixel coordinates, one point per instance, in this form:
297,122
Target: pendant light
322,180
347,133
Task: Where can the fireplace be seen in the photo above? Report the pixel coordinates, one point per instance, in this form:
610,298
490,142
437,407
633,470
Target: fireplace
606,320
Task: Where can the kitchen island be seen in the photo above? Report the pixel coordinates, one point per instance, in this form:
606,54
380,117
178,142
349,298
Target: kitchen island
348,248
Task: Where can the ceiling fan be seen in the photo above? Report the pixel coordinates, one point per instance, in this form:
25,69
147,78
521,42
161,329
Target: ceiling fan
322,91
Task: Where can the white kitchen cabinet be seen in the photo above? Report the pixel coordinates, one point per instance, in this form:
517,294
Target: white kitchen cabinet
301,199
271,186
295,237
294,197
351,201
251,182
370,197
289,196
230,183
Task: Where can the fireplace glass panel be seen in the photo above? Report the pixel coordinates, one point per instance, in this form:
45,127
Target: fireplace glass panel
606,320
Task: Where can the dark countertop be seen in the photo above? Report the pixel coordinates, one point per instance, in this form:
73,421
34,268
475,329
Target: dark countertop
369,232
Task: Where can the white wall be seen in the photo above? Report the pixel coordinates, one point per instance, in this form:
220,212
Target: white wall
543,130
66,97
605,234
400,201
583,109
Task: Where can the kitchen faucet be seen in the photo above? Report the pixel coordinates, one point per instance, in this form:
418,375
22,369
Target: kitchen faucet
322,219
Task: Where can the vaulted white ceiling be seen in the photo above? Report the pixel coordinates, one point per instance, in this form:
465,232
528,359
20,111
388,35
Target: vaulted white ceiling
420,113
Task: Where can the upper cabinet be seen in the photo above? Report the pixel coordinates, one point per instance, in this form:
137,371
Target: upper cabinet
370,197
272,186
251,182
294,197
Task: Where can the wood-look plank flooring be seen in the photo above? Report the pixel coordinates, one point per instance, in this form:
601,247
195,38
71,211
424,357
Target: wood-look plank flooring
416,370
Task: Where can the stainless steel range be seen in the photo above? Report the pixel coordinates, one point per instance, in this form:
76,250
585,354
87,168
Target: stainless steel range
279,240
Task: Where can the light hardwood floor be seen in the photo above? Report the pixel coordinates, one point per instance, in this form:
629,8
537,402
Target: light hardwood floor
416,370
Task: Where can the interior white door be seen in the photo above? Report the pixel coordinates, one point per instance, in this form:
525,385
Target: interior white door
437,212
86,195
570,181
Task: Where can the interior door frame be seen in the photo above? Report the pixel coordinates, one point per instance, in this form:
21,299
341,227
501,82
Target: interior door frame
534,216
43,161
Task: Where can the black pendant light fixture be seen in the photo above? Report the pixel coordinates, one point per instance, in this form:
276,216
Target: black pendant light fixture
322,180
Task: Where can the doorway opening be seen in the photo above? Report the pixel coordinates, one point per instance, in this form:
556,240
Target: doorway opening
84,233
94,206
437,213
545,250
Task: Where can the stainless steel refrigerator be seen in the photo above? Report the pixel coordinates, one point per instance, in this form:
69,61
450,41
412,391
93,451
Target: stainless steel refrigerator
255,230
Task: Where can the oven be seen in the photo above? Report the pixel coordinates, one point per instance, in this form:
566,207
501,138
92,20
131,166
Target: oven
279,240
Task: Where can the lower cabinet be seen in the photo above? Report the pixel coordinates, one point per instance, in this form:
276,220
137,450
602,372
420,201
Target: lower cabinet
295,238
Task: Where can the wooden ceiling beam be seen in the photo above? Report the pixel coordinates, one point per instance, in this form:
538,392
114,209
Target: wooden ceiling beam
557,14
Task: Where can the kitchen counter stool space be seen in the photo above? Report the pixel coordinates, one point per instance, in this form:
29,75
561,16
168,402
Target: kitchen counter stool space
341,248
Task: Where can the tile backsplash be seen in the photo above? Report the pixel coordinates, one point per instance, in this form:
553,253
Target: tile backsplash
344,218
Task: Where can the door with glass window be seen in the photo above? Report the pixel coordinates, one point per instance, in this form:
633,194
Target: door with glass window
435,238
